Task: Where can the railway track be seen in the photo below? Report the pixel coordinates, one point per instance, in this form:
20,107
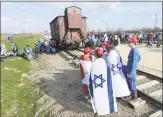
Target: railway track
149,86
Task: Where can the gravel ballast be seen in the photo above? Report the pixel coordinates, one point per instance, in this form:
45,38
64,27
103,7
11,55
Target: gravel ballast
60,80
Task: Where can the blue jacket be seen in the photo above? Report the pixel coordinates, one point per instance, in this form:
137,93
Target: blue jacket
132,65
39,44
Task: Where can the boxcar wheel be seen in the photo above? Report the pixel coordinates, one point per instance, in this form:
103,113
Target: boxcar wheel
63,43
77,45
57,43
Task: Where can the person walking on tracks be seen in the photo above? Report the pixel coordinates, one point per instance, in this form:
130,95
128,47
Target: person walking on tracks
132,65
100,87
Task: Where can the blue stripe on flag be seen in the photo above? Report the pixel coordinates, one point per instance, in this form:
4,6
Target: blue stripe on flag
90,86
119,55
110,90
123,66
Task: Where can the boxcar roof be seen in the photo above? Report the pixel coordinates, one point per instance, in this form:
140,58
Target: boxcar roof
56,18
73,6
84,17
63,16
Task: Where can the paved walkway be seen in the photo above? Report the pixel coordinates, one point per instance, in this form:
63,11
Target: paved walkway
151,58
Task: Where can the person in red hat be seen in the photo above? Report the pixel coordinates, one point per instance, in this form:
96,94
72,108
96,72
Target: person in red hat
100,87
132,64
133,40
103,46
105,53
87,51
92,54
85,67
98,53
105,43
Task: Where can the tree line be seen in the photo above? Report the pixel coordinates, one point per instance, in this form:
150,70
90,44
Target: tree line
157,29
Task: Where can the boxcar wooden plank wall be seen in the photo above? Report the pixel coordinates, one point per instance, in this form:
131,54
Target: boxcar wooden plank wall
67,27
74,17
84,29
62,27
74,35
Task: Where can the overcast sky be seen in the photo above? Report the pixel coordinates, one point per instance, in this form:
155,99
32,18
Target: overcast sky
35,16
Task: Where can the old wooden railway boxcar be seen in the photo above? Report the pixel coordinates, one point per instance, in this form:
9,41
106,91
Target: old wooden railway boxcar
69,29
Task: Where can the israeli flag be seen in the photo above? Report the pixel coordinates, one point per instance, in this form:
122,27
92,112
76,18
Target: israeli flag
100,87
118,78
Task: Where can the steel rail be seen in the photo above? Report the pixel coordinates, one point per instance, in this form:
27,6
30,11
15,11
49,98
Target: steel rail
71,54
151,76
150,99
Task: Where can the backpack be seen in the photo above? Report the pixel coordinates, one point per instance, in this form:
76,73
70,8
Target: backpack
53,50
53,44
16,47
28,50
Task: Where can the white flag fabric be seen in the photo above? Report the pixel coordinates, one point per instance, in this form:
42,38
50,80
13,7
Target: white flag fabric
86,65
104,56
100,87
120,86
85,68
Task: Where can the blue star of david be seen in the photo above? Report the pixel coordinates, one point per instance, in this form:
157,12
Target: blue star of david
114,67
98,84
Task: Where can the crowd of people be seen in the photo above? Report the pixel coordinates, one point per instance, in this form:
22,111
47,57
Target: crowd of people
104,77
122,38
45,47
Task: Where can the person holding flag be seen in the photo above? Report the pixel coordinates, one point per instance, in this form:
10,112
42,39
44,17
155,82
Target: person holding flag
118,78
103,46
106,45
101,87
85,67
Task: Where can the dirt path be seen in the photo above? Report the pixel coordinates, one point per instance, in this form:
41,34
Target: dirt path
61,83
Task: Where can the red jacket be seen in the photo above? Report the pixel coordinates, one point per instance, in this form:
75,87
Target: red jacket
150,37
53,44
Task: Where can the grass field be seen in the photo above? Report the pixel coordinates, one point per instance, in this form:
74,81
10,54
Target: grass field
22,41
18,95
